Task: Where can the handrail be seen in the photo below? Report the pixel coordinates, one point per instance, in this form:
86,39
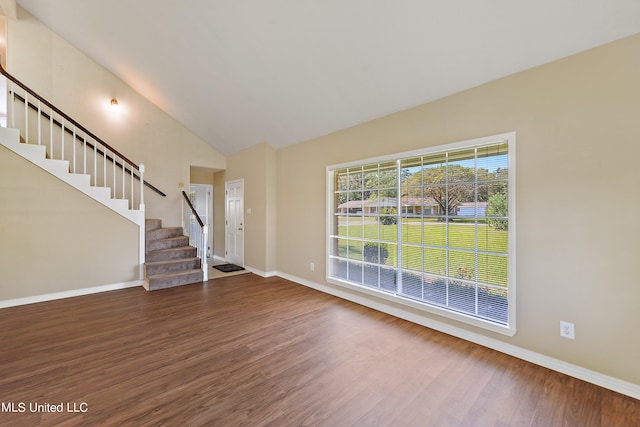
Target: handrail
100,148
79,139
66,117
199,240
193,210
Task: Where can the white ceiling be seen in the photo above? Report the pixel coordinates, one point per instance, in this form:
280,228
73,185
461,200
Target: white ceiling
241,72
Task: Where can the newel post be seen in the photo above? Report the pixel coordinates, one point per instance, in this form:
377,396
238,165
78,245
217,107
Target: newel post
142,233
205,243
141,169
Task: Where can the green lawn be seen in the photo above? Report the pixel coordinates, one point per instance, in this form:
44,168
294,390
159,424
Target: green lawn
492,268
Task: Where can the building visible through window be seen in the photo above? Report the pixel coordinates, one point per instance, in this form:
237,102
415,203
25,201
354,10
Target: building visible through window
432,228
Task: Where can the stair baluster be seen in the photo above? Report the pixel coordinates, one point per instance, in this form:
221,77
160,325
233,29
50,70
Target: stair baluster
27,121
197,231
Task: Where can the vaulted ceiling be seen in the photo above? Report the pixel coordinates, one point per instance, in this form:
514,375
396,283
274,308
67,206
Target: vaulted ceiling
241,72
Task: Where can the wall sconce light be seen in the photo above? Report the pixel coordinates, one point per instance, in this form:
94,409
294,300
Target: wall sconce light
114,103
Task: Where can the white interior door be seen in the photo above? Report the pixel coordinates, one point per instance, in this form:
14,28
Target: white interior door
234,222
202,199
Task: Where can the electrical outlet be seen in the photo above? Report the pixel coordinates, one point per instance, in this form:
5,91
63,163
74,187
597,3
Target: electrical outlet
567,330
312,266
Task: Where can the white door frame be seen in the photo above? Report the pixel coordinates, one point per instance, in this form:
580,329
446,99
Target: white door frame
234,226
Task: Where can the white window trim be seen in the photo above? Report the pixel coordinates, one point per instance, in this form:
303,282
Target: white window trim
510,328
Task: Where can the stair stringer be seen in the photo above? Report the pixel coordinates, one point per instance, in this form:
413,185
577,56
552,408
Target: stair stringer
36,154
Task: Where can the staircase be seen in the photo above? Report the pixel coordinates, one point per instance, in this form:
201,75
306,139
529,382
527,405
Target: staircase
170,261
50,139
38,155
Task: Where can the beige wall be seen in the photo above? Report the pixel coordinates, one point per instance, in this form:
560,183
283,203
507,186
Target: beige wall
577,147
199,175
271,209
140,130
82,89
578,225
218,214
257,166
55,238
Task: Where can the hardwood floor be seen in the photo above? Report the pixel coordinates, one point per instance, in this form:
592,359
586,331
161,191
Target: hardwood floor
249,351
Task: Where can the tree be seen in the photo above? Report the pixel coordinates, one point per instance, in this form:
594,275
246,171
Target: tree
382,182
498,207
448,197
496,183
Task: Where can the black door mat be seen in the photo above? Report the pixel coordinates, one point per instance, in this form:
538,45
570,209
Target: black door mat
228,268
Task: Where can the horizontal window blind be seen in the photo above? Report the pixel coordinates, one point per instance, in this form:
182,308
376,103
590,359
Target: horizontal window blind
432,228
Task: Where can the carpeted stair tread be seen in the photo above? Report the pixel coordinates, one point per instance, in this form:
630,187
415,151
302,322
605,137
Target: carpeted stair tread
164,233
171,242
171,253
159,267
176,278
153,263
175,273
152,224
170,261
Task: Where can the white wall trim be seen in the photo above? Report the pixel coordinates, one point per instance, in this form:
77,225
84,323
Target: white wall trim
68,294
608,382
261,273
249,268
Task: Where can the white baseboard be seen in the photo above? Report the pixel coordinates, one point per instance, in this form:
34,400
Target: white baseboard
69,294
608,382
260,272
218,258
249,268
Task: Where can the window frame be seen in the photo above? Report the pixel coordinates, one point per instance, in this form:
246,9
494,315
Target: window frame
507,329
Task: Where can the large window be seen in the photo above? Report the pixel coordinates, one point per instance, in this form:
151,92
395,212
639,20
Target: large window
433,229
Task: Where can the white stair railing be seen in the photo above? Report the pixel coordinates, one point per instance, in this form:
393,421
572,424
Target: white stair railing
42,123
197,231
